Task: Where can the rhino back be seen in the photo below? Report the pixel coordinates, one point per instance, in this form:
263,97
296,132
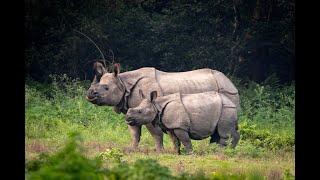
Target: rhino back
197,81
189,82
204,111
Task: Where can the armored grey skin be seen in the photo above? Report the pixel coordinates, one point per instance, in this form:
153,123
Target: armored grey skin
189,116
121,90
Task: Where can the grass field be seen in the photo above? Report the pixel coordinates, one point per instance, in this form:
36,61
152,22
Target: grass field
266,148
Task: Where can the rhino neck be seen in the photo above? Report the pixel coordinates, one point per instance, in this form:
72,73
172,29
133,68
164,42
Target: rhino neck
122,106
160,105
129,80
158,118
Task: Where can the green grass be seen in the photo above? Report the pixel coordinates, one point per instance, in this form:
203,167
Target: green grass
266,126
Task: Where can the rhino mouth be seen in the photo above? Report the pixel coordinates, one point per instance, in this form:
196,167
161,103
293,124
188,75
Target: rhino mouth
131,121
91,99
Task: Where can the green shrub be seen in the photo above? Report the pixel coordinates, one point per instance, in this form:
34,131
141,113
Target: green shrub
264,138
141,169
248,150
68,163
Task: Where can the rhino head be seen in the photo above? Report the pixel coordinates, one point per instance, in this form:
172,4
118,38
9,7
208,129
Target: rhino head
106,87
144,113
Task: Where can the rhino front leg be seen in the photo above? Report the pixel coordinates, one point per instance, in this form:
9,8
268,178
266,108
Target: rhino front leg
135,132
175,141
183,136
157,134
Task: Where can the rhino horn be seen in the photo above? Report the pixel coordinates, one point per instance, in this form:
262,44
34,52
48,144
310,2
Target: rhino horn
116,69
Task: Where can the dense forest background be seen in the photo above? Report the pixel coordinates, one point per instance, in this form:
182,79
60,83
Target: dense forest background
247,39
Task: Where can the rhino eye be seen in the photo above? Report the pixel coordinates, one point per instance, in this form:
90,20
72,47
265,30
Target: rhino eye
106,87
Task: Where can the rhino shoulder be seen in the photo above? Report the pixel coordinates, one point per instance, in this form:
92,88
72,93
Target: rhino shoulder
174,114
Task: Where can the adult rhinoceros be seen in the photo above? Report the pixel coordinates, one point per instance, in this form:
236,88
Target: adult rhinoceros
121,90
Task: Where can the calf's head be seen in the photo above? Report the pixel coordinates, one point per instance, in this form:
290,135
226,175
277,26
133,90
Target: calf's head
144,113
106,88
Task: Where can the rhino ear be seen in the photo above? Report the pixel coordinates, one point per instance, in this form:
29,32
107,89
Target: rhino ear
98,68
141,94
153,95
116,69
95,80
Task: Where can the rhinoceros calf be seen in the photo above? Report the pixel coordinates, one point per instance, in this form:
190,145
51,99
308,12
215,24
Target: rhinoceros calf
121,90
185,116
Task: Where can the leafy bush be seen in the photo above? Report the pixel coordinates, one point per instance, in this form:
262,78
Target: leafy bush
264,138
69,163
141,169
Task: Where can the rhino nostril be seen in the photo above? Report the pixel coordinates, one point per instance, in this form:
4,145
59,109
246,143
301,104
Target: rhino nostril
92,94
95,93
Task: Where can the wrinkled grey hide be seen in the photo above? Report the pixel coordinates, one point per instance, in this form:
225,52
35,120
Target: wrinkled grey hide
195,116
121,90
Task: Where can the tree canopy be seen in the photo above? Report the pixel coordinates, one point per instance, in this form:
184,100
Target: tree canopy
249,39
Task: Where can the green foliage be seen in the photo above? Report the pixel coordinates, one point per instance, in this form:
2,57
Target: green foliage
222,176
141,169
266,118
113,155
170,35
288,175
69,163
264,138
60,107
250,150
232,176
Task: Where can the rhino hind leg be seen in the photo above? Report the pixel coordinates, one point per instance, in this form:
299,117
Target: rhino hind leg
235,137
176,142
227,125
215,138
